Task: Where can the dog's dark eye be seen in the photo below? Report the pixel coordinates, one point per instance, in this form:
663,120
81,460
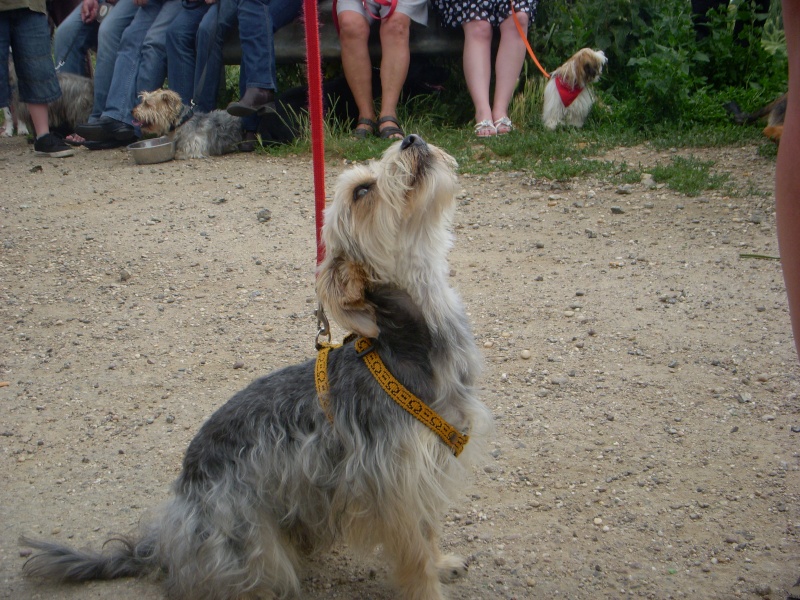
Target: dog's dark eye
361,191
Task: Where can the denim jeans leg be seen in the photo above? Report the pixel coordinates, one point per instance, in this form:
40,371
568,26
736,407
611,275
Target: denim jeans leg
216,25
5,42
73,39
33,58
126,68
258,48
108,40
181,48
153,61
284,12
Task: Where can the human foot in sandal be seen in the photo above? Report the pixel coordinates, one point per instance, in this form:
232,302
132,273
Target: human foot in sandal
485,129
364,129
390,132
503,125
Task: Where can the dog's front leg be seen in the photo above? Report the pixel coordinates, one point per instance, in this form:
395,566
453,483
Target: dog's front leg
420,568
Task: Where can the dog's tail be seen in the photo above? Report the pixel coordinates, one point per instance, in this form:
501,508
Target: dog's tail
738,115
126,558
778,106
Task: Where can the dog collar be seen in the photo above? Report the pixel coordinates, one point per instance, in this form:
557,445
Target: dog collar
452,438
567,93
186,114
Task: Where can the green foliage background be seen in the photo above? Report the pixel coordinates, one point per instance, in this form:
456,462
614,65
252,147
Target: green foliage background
661,86
657,69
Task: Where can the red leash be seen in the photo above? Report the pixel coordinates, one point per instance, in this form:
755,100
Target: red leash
314,62
315,112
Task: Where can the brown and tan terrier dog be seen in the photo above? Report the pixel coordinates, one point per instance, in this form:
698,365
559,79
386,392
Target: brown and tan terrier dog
198,135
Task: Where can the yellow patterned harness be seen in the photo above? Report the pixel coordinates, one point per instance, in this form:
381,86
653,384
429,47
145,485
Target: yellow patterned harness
396,390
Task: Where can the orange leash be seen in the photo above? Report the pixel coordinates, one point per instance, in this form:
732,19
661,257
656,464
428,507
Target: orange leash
525,39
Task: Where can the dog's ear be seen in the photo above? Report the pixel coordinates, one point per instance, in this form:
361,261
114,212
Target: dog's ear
172,100
341,288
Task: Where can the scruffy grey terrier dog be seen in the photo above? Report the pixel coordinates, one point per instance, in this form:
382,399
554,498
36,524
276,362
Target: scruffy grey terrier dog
197,135
286,467
73,108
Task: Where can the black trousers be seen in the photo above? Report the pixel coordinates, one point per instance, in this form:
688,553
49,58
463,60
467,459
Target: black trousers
701,7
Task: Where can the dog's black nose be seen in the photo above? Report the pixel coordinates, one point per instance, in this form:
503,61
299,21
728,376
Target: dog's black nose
411,140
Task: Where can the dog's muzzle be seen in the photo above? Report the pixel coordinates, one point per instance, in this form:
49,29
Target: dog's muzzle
412,141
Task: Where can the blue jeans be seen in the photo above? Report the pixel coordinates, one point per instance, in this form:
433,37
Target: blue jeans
28,35
258,20
141,63
194,51
72,41
109,35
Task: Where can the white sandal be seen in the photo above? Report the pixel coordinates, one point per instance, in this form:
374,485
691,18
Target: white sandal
485,129
503,126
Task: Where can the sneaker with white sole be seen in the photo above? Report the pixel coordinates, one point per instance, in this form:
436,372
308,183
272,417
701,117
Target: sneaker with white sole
51,145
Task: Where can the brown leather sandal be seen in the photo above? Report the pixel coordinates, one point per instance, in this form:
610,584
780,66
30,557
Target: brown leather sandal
388,133
364,132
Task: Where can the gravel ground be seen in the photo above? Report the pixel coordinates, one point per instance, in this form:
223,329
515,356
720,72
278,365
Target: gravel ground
641,372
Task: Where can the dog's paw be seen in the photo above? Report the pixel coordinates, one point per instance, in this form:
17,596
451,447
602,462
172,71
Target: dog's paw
452,568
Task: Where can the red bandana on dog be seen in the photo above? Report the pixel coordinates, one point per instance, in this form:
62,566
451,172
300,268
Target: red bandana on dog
567,94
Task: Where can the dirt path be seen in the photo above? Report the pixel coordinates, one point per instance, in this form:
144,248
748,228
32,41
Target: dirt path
647,447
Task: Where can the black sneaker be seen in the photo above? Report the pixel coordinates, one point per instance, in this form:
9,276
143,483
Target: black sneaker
51,145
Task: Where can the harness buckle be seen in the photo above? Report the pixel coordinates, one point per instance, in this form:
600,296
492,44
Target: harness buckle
324,326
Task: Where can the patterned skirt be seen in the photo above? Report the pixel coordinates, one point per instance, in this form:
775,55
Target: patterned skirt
455,13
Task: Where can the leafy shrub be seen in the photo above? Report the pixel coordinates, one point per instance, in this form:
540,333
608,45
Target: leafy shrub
657,70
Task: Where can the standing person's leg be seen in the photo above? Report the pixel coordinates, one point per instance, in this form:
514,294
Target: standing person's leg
108,39
395,58
182,48
73,39
353,36
508,65
787,175
153,54
258,60
29,39
478,73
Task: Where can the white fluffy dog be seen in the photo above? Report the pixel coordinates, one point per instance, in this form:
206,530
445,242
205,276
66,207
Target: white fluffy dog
568,97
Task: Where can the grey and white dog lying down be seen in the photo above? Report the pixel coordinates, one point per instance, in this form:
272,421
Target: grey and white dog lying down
197,135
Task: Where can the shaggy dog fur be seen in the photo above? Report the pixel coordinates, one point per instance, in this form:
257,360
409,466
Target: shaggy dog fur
69,111
571,104
775,112
203,135
272,477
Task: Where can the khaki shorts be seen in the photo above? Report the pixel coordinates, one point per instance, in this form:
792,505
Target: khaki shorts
416,10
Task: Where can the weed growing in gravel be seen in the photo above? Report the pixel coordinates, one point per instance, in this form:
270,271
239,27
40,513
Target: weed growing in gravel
689,175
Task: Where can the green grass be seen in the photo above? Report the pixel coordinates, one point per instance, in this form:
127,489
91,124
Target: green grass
689,176
566,153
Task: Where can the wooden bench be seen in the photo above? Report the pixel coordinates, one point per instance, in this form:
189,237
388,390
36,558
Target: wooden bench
290,41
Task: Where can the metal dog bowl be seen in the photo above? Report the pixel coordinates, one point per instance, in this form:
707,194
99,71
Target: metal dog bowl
155,150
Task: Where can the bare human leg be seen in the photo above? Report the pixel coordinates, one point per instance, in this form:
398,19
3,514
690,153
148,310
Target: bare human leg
357,65
394,70
787,176
478,73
